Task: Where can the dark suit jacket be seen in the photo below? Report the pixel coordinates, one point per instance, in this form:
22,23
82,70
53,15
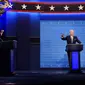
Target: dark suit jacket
2,37
68,39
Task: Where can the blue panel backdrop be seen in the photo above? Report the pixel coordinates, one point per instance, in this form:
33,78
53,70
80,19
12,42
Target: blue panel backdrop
11,23
52,47
2,22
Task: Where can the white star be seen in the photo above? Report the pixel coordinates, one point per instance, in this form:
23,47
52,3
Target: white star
66,7
10,5
38,7
52,8
80,7
24,6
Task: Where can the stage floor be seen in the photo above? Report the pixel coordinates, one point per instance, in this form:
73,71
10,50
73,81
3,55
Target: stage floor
44,77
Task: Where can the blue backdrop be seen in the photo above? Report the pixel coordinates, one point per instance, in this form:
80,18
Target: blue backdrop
52,47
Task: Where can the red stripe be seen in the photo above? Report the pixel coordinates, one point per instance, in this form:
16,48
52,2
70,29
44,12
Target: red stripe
43,11
25,11
29,2
61,12
50,3
65,3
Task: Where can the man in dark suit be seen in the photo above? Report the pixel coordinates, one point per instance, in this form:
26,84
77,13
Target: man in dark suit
71,39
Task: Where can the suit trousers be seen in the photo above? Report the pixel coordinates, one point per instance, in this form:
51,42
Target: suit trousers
69,59
1,40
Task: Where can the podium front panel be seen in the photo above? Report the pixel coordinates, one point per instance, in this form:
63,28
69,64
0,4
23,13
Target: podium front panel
75,61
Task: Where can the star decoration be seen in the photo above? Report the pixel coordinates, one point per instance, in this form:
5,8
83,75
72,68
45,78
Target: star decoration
66,7
38,7
10,5
45,7
51,8
80,7
24,6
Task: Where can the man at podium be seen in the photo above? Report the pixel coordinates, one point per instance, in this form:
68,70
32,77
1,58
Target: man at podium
71,39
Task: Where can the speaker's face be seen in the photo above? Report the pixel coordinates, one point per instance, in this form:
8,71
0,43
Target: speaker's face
71,32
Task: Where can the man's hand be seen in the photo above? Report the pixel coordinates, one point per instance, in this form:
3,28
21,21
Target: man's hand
62,35
2,31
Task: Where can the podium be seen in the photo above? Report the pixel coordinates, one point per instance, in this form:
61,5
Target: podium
7,58
74,50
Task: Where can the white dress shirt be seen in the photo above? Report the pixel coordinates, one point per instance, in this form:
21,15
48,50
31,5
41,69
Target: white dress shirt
71,39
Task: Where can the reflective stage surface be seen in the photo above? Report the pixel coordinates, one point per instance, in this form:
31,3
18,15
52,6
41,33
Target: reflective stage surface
43,77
